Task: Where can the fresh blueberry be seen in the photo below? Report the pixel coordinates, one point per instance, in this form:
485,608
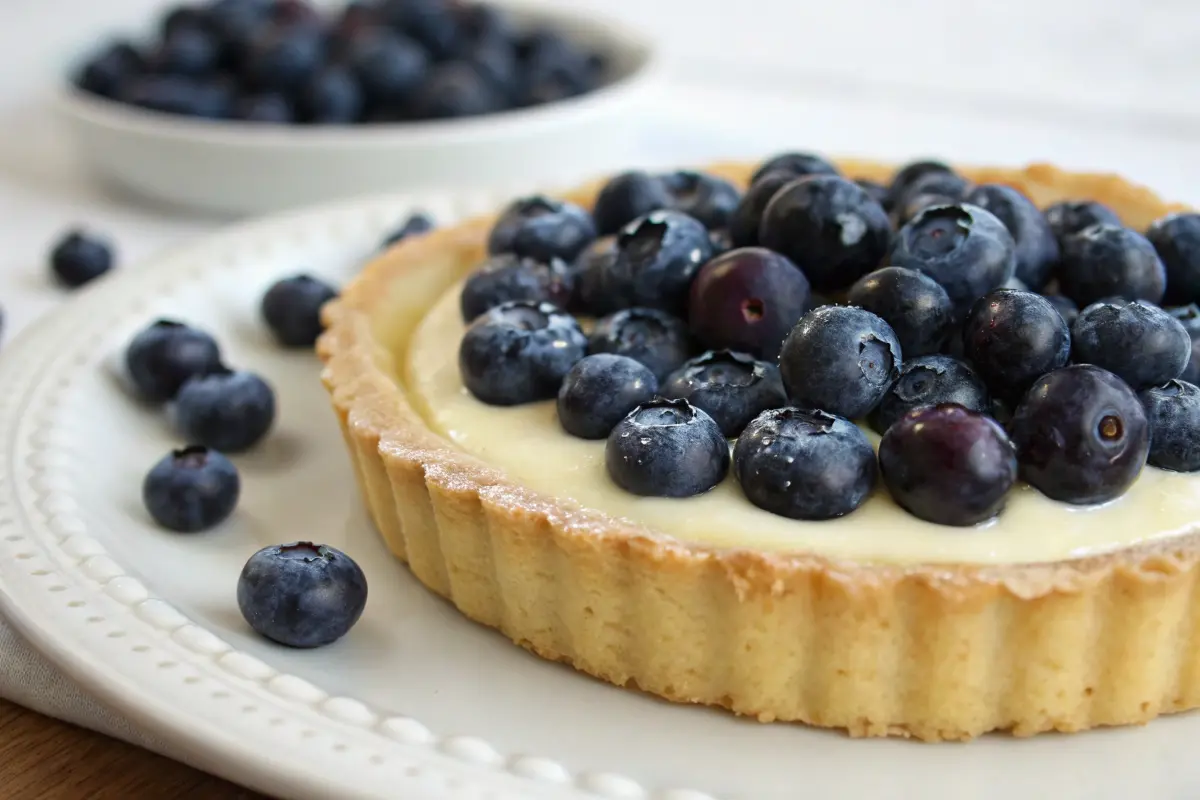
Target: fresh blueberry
1013,338
594,293
191,490
238,24
1189,317
285,59
187,51
389,67
481,22
110,69
931,189
164,356
651,337
332,97
720,240
452,90
1173,411
554,67
666,448
1138,342
626,197
271,108
796,165
1069,217
1176,238
291,307
227,411
962,247
507,277
519,352
496,63
541,228
178,18
840,359
1065,307
930,381
948,465
877,191
433,23
829,227
80,257
804,464
417,224
747,217
748,300
917,308
730,387
301,594
657,258
707,198
176,94
1110,261
1081,435
1037,247
600,391
907,175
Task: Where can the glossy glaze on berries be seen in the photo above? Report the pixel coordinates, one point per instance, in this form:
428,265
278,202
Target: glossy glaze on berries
506,277
914,305
192,489
732,388
80,257
667,448
1036,245
291,308
1139,342
1012,338
165,355
930,381
226,411
1173,411
647,335
1105,261
1176,239
657,258
600,391
540,228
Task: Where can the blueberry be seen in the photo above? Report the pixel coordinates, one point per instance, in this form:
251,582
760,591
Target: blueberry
164,356
506,277
657,258
176,94
930,381
519,352
707,198
747,217
1189,317
796,165
430,22
877,191
541,228
291,307
301,594
1176,238
180,18
554,67
452,90
238,24
666,448
110,69
187,51
963,247
841,360
389,68
651,337
626,197
600,391
496,63
1069,217
227,411
1138,342
948,465
593,290
80,257
1081,435
332,96
748,299
270,107
804,464
1173,412
1037,247
930,189
418,223
829,227
1065,307
284,59
1110,261
907,175
917,308
191,490
721,243
730,387
1013,338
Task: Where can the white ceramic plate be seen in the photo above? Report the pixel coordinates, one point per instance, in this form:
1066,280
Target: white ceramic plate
239,168
416,702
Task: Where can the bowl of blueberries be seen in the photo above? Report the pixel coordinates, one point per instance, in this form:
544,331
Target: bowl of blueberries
246,106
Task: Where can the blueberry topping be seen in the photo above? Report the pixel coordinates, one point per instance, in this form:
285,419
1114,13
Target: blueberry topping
417,224
594,291
1189,317
506,277
332,96
1065,307
930,381
878,192
804,464
1069,217
907,175
161,358
191,490
292,309
746,220
706,198
917,308
540,228
931,189
730,387
626,197
1176,239
840,359
1139,343
948,465
721,243
1037,247
1081,435
963,247
796,165
80,257
301,594
519,352
227,411
1173,411
1110,261
657,258
600,391
748,300
1013,338
648,336
666,448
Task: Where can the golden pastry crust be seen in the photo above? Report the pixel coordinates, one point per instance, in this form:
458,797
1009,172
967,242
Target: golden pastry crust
930,651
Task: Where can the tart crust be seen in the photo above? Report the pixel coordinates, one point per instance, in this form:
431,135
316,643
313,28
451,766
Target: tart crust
935,652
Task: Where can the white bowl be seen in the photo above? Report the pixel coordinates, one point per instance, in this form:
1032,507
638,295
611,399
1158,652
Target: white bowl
242,168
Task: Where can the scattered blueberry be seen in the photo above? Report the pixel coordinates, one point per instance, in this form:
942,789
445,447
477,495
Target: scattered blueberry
651,337
657,258
804,464
1176,238
878,192
1013,338
519,352
721,243
1065,306
80,257
666,448
931,189
600,391
746,220
227,411
164,356
1110,261
417,224
301,594
907,175
1069,217
915,305
1173,412
191,490
948,465
292,309
333,96
930,381
707,198
796,165
626,197
1139,343
594,293
1189,317
1036,245
507,277
730,387
540,228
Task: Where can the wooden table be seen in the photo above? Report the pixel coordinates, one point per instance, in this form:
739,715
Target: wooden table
44,758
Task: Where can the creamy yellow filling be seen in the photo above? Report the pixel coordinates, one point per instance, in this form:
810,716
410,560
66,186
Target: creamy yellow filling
528,444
